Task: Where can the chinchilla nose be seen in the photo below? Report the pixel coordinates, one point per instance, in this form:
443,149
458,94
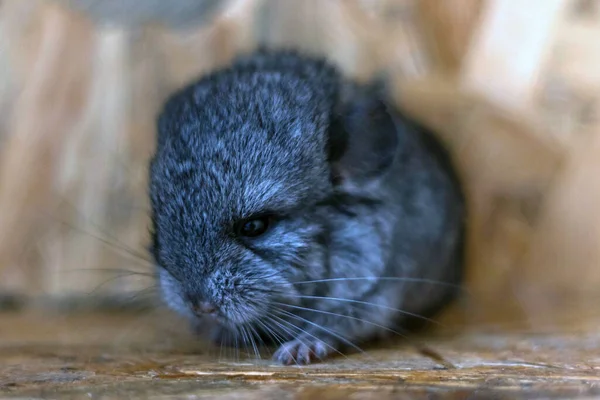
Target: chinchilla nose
204,308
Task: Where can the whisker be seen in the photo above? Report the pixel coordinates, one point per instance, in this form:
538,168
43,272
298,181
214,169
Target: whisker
249,341
235,339
309,334
370,304
221,349
244,337
121,270
343,339
289,332
287,327
115,246
265,291
139,293
385,278
253,342
99,228
111,279
261,277
270,333
347,316
230,337
283,328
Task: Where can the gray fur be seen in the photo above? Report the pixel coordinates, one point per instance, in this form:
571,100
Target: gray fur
358,191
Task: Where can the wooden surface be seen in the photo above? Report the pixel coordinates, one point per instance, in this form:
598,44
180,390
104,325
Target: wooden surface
128,356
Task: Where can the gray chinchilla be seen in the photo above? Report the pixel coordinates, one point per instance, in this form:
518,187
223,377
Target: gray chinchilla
289,203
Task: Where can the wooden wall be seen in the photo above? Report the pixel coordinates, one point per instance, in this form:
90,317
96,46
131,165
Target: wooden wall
512,87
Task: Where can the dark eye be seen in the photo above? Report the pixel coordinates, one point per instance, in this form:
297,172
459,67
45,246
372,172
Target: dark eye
254,227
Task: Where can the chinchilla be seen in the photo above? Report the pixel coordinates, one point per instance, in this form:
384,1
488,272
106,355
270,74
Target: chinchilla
292,204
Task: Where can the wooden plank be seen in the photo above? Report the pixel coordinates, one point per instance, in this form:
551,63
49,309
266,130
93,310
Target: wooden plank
509,50
91,356
44,114
450,25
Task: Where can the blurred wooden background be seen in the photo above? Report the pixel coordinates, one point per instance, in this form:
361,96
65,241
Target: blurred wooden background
512,87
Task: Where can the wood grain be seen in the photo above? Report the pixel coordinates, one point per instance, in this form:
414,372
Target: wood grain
102,356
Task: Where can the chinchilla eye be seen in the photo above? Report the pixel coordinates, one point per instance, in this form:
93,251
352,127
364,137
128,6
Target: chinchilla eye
253,227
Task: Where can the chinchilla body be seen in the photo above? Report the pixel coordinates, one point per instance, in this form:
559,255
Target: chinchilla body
293,205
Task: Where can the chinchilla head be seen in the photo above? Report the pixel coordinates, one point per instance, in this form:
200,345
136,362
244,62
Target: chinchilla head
244,158
239,154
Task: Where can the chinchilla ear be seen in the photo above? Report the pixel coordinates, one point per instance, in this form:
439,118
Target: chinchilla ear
363,139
